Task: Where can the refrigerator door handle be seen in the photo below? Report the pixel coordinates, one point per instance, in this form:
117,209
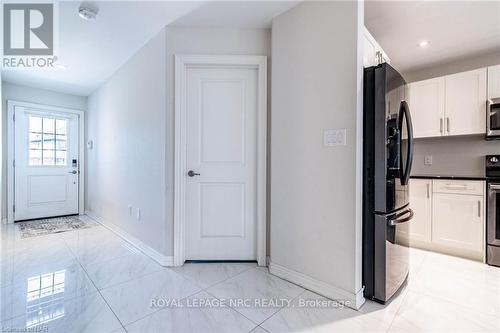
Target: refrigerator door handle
403,217
404,110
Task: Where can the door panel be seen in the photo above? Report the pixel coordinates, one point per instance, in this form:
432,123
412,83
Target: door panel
420,201
221,147
46,179
457,221
427,107
466,103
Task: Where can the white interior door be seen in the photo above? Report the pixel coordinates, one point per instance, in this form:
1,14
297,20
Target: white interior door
221,118
46,164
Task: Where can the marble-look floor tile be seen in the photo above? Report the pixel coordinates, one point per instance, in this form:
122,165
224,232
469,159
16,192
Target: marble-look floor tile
87,314
470,284
45,288
90,251
132,300
122,269
195,316
423,313
208,274
253,286
385,312
313,313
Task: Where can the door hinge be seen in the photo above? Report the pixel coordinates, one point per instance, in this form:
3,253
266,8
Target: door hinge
13,163
14,117
14,208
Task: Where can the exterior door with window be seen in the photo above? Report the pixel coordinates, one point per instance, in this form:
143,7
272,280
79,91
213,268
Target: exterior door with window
46,164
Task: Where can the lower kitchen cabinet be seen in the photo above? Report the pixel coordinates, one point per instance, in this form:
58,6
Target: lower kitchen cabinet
449,217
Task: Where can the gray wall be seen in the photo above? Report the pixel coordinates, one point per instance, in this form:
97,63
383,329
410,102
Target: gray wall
33,95
315,190
463,155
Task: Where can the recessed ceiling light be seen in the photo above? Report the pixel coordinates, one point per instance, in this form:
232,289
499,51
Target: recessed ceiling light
423,43
87,12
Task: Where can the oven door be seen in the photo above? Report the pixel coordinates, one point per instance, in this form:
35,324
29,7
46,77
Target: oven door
493,226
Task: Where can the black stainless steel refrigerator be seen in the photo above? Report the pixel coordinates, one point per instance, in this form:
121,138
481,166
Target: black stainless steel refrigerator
388,156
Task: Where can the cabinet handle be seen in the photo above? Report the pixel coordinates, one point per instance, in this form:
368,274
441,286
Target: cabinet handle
441,125
448,124
479,208
428,190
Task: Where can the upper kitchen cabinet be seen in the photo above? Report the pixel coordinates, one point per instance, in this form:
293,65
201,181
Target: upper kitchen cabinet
465,102
373,54
427,107
494,82
449,105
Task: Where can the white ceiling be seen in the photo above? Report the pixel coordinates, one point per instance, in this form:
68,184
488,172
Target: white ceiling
93,50
236,14
454,29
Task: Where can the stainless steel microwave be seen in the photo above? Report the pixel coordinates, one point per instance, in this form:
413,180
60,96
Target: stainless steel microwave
493,119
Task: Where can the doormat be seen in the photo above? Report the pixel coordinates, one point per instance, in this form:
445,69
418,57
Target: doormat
51,226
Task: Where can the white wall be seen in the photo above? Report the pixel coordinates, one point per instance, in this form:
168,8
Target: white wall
316,190
126,122
184,40
32,95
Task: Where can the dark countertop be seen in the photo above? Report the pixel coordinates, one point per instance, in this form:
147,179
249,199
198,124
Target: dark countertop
448,177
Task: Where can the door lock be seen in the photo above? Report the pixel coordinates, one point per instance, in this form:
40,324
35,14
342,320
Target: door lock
73,172
191,173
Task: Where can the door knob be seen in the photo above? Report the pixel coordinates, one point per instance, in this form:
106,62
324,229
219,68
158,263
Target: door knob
73,172
191,173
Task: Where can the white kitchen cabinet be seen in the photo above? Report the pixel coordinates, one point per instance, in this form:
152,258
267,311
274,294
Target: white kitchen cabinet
427,107
458,222
373,54
494,82
419,228
449,217
465,102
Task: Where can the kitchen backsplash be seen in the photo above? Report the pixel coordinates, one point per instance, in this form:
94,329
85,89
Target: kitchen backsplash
453,156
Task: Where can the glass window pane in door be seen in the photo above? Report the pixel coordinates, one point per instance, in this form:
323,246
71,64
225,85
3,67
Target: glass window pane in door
35,124
48,157
35,141
49,125
49,141
61,157
61,143
35,157
61,126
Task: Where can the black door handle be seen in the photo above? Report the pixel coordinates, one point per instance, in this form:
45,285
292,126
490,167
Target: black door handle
191,173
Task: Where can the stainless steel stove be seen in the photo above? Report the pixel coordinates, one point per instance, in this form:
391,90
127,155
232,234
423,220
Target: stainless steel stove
493,207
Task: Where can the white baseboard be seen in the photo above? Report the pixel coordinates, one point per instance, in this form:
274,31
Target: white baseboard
351,300
144,248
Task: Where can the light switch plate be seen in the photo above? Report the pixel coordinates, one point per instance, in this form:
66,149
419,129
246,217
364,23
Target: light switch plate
428,160
334,137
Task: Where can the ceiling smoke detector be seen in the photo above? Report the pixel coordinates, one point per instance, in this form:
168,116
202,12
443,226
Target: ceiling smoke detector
87,13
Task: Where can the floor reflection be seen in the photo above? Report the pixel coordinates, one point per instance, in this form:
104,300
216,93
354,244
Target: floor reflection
45,298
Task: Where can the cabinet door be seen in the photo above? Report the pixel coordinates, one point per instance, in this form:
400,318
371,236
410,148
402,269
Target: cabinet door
494,81
427,107
457,221
419,228
466,103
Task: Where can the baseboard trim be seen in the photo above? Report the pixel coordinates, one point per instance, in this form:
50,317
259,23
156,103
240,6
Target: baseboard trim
351,300
163,260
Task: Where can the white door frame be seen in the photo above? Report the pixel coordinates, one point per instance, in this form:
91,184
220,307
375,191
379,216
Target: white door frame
182,63
11,104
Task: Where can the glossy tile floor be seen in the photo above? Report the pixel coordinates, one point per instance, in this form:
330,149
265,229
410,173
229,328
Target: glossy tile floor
93,281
